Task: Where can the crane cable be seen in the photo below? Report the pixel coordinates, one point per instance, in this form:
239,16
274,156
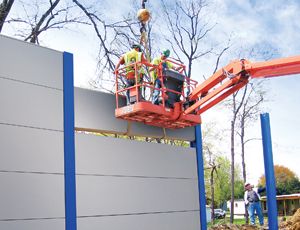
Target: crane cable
143,19
143,16
143,37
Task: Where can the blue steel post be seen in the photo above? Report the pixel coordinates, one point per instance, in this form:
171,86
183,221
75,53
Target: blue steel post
69,142
202,201
269,171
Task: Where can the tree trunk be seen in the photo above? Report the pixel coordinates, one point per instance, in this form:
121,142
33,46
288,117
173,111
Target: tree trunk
212,196
5,7
232,172
235,110
243,161
37,29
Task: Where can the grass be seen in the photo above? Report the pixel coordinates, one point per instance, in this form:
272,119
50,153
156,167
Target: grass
237,221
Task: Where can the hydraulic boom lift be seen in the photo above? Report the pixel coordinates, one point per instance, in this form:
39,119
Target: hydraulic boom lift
178,110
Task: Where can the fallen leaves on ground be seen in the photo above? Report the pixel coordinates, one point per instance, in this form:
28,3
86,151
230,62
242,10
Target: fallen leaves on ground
292,224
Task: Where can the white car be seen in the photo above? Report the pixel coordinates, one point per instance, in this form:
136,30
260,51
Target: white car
219,213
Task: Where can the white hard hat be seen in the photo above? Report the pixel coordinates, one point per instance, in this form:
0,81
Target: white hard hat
246,184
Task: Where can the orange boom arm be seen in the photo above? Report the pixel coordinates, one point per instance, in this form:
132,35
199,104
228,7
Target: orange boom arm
234,76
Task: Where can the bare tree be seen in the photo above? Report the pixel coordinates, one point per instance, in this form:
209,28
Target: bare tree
188,27
93,18
34,18
115,40
213,167
5,7
248,115
236,106
245,105
244,109
45,18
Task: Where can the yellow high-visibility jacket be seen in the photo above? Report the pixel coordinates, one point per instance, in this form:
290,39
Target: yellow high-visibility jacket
156,62
129,58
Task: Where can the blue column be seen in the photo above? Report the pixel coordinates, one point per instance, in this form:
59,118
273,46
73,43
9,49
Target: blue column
269,171
69,142
202,201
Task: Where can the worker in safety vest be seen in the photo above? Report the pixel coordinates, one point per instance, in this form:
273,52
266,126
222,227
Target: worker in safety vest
135,55
157,83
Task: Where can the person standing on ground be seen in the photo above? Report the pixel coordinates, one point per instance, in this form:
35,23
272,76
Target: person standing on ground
252,199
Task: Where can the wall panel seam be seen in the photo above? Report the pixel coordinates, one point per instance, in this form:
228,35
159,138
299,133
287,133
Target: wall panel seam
141,213
27,219
133,176
29,83
31,127
31,172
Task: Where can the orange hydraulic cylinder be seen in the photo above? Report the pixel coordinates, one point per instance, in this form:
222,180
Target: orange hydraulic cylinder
220,93
211,82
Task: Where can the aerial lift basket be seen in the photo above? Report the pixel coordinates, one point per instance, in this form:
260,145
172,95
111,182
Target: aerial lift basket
169,114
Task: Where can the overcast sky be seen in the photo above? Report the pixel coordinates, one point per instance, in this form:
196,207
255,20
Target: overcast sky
251,22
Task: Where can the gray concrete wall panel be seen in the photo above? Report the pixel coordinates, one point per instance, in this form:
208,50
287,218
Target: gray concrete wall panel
95,111
114,156
121,184
125,178
30,105
30,63
161,221
31,150
31,195
53,224
182,134
140,129
98,195
31,138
